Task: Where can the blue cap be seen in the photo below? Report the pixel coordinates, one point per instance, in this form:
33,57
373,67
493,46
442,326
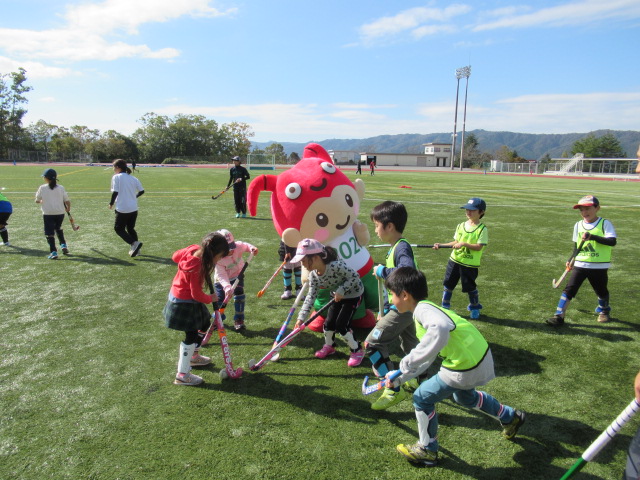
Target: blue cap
475,204
50,173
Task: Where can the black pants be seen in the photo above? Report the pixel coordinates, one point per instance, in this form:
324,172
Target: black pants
125,226
340,314
240,199
456,272
598,278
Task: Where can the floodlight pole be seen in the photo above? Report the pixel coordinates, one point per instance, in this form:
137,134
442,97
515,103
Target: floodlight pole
455,124
466,73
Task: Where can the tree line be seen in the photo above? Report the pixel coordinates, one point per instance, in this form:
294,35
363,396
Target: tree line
160,138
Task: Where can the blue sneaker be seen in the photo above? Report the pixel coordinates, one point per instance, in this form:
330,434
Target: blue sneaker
237,215
65,250
244,215
53,256
475,314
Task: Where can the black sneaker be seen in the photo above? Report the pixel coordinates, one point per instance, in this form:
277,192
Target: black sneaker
555,321
509,430
238,325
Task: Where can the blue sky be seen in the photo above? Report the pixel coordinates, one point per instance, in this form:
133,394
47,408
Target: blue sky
299,71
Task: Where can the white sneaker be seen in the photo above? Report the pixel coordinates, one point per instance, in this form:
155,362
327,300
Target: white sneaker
135,248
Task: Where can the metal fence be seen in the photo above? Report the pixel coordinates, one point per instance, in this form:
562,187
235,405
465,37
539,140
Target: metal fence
588,166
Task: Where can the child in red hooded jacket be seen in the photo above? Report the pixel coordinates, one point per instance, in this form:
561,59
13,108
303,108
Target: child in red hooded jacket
186,308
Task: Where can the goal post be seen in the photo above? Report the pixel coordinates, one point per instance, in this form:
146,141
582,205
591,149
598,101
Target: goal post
261,161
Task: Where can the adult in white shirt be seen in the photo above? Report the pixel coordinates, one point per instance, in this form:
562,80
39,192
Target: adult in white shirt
54,202
125,190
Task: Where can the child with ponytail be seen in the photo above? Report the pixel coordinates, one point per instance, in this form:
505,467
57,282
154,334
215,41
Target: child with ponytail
54,201
327,271
186,309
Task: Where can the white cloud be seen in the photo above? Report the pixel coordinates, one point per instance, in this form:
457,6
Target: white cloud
548,113
34,69
89,30
576,13
418,22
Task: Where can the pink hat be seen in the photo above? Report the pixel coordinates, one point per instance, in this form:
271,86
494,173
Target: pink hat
307,246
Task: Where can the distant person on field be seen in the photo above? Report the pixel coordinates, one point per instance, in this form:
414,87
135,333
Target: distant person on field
186,308
133,166
467,363
359,168
638,164
54,201
238,176
470,239
125,190
372,166
6,209
592,261
390,219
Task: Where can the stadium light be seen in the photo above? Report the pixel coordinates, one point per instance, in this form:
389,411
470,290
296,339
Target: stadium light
466,73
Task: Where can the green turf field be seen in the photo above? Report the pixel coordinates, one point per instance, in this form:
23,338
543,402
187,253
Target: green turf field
87,365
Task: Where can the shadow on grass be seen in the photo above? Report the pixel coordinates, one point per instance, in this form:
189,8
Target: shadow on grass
105,260
542,439
604,331
515,361
154,259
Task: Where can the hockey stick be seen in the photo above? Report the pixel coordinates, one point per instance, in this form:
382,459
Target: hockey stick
414,245
264,289
227,371
380,298
255,366
604,438
369,389
214,197
283,329
570,263
74,227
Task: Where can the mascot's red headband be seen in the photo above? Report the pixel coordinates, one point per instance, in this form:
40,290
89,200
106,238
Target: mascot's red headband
293,191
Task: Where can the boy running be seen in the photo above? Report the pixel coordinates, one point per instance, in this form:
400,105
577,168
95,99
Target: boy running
466,364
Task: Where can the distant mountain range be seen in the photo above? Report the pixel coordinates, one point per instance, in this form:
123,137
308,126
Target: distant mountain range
528,145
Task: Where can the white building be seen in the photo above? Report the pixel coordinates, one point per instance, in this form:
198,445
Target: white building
434,155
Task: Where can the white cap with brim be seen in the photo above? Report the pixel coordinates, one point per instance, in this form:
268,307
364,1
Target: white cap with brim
307,246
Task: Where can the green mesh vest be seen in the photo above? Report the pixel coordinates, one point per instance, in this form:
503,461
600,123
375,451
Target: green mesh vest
466,256
466,347
592,251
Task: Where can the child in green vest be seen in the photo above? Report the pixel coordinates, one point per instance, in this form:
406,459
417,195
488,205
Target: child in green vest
466,364
592,261
469,241
390,219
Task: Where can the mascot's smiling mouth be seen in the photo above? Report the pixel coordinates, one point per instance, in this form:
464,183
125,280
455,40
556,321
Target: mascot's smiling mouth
344,225
321,187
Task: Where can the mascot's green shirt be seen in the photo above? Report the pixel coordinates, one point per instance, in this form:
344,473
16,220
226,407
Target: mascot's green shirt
466,347
466,256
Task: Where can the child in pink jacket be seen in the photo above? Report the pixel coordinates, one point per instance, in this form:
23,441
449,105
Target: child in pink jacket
228,269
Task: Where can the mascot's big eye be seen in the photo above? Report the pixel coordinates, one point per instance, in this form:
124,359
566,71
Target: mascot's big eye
328,167
293,191
322,220
349,200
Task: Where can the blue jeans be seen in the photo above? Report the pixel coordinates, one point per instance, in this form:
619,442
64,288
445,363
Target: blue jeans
435,390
